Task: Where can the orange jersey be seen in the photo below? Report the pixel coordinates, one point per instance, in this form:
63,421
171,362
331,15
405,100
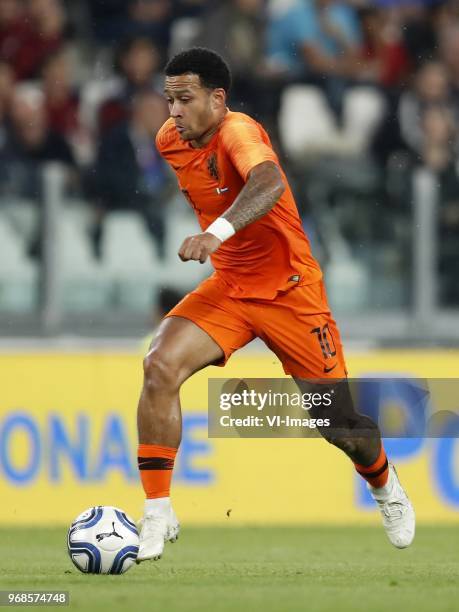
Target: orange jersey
268,255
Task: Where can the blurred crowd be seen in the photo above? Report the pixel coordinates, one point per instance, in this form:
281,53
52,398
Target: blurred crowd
80,83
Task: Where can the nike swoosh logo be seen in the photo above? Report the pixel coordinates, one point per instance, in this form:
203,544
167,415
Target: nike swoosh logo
327,370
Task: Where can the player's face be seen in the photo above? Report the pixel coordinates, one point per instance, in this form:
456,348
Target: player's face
195,109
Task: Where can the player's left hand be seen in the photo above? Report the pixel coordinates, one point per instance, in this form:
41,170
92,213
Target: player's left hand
199,247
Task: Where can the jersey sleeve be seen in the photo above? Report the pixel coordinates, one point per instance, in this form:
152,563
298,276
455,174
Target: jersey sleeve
244,144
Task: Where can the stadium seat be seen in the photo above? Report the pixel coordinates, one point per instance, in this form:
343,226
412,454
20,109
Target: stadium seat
279,6
308,127
306,124
130,260
127,246
22,216
18,275
93,94
80,211
183,33
348,283
363,111
85,286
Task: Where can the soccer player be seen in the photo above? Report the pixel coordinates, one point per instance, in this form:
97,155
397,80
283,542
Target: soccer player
266,284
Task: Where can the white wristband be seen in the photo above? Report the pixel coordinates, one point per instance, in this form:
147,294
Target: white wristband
221,229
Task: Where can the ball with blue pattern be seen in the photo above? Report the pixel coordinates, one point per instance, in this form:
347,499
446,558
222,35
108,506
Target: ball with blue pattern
103,540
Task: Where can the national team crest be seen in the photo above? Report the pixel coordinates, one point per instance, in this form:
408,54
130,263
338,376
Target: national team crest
212,166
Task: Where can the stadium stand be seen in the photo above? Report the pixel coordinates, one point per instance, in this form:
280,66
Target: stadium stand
350,94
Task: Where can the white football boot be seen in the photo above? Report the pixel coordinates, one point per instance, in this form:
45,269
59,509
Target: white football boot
155,530
396,510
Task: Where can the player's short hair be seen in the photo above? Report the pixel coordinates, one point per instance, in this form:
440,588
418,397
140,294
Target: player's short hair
211,68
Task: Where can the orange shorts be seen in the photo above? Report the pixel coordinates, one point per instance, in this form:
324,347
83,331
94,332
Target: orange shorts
297,326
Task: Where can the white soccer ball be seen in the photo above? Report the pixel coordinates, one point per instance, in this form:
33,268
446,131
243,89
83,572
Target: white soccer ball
103,540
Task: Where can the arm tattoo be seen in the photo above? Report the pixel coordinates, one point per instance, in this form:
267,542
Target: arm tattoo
261,192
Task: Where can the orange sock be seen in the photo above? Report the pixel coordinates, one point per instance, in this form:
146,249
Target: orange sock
155,466
378,472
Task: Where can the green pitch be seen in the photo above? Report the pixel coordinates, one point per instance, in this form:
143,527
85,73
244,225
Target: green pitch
237,569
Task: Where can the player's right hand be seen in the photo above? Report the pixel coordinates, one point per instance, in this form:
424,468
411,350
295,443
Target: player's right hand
198,247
